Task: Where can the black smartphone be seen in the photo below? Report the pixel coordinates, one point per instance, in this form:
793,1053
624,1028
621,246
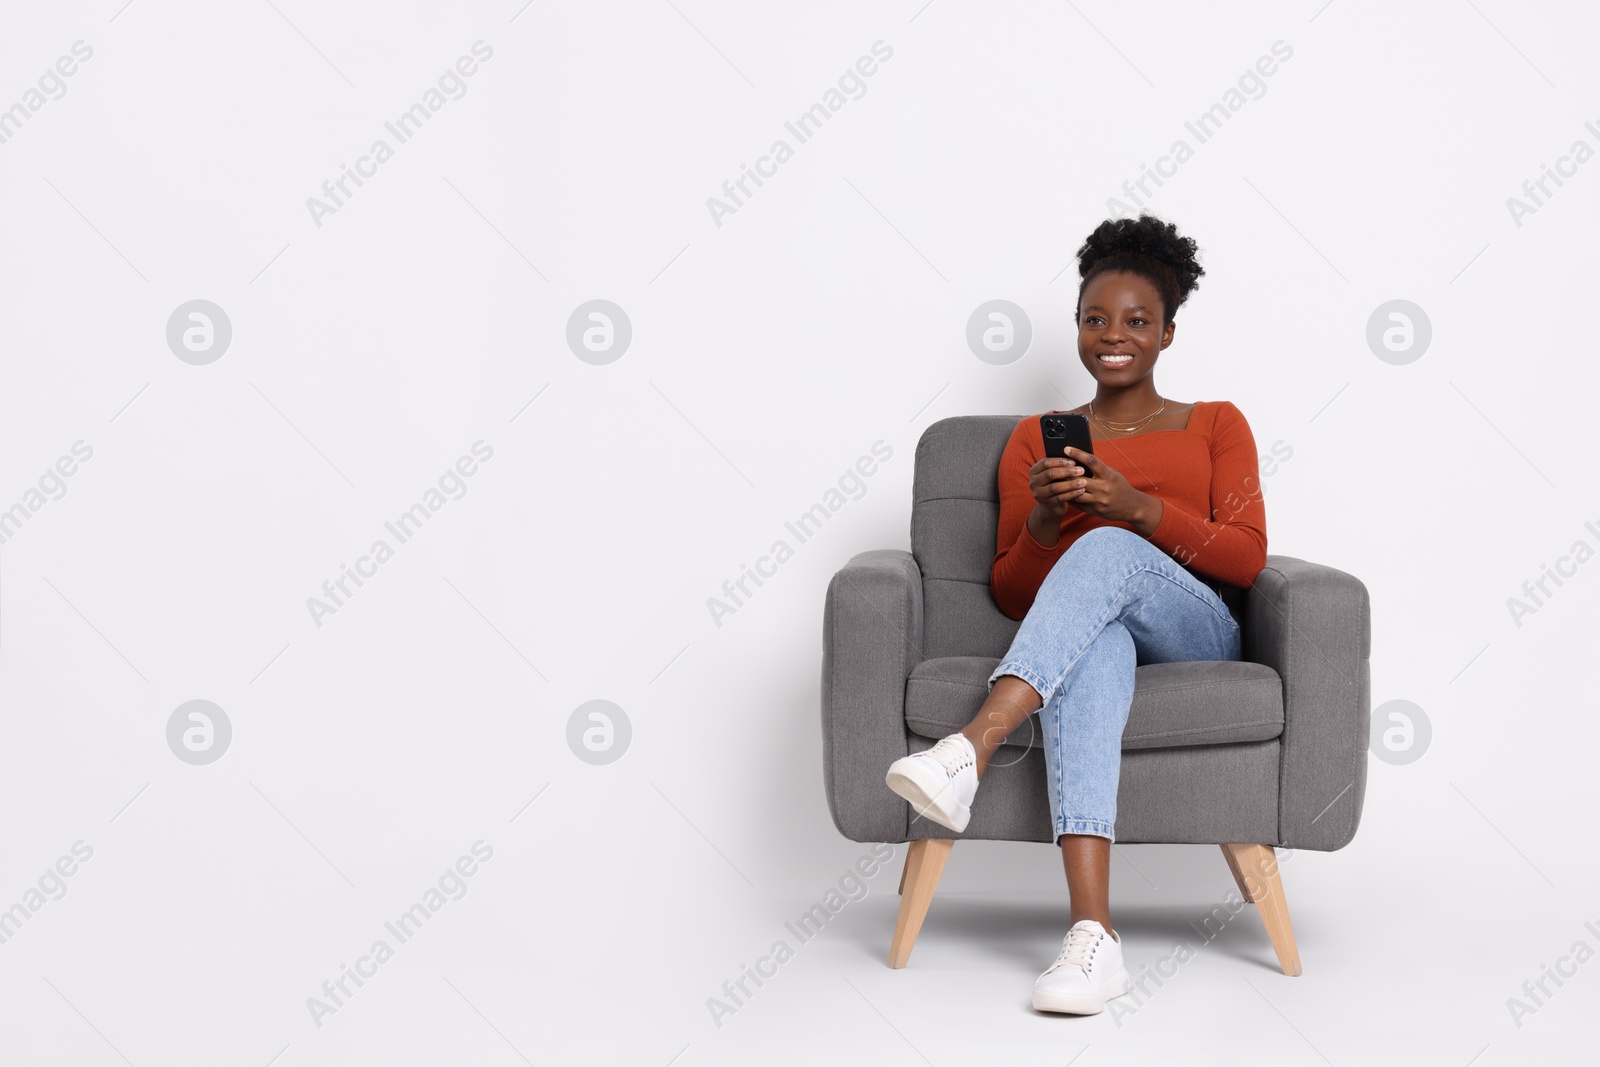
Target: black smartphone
1063,430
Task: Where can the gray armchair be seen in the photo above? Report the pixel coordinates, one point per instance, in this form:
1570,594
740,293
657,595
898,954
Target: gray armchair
1267,751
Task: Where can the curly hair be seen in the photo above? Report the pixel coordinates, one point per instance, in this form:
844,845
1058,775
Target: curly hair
1148,247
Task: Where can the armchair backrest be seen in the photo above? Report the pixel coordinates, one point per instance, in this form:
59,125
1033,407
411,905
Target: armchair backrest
955,508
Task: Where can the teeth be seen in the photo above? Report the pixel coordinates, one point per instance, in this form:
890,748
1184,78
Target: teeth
1115,359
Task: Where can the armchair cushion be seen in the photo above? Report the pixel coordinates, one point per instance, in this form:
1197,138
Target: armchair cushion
1206,702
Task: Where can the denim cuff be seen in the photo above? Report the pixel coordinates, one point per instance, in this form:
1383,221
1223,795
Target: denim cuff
1085,826
1022,671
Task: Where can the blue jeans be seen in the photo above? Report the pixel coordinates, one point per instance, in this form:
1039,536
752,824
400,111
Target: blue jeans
1113,601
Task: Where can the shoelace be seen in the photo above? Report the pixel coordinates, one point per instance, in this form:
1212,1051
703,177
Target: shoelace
1077,950
952,753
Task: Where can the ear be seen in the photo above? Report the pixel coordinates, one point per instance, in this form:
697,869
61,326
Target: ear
1167,334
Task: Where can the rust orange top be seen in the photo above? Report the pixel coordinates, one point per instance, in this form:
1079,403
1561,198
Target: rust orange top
1207,476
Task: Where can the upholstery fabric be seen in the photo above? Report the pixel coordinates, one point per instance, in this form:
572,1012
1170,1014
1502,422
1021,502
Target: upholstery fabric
1208,702
1268,750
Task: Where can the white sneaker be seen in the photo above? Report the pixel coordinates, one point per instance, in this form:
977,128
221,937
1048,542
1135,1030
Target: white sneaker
939,782
1088,972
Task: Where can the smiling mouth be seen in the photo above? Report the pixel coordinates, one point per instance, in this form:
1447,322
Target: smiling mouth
1115,359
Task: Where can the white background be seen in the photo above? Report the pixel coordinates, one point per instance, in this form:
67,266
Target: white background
768,354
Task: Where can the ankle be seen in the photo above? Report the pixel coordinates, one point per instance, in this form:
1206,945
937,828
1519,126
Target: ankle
979,749
1103,919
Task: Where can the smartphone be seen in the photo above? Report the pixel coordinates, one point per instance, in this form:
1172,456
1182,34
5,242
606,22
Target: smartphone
1063,430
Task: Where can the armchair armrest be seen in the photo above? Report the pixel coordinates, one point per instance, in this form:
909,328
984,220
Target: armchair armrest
871,639
1313,625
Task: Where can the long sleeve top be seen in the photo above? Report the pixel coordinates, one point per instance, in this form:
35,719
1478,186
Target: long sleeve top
1207,476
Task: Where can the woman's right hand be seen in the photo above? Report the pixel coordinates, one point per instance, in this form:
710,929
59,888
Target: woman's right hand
1055,483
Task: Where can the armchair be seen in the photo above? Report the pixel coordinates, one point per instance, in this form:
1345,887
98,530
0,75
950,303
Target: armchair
1270,750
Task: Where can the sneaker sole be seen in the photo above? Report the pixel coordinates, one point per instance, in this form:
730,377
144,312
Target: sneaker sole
929,795
1083,1003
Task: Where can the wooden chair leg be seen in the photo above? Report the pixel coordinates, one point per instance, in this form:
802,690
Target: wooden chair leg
1255,870
924,864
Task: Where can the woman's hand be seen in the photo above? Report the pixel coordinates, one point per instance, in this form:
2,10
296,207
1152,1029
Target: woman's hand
1106,494
1055,483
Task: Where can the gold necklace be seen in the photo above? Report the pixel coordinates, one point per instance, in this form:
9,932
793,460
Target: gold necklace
1127,427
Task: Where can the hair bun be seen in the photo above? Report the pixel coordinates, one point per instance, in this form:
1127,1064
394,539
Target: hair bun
1118,244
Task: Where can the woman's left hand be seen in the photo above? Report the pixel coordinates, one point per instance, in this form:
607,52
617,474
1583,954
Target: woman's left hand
1108,495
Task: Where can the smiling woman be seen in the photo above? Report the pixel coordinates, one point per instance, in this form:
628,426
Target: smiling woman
1111,559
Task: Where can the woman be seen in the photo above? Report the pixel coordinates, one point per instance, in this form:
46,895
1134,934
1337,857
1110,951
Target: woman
1110,560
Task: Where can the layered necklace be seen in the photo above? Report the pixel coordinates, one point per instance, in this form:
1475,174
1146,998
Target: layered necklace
1126,428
